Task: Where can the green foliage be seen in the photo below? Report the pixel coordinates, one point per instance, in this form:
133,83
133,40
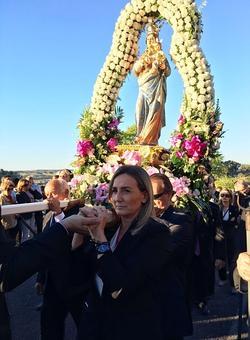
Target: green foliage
244,170
218,168
225,182
232,168
128,136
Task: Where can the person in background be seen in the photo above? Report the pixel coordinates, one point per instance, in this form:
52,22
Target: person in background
66,175
229,216
9,222
36,191
241,201
209,249
24,195
175,305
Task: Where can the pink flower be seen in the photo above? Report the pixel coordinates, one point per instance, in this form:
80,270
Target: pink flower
114,124
179,154
85,148
152,170
76,180
181,120
132,157
112,143
180,185
108,168
195,147
174,140
101,192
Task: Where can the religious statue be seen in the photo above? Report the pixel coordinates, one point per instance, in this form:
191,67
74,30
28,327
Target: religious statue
152,69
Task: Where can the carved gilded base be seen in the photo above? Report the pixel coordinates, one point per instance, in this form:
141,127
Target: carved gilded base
153,155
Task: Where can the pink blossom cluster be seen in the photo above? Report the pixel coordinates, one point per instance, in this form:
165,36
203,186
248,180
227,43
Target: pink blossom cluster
180,185
132,157
85,148
195,148
112,144
101,192
174,140
113,124
76,180
109,168
152,170
181,120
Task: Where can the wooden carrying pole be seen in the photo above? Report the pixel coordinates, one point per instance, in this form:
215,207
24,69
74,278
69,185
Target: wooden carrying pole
28,207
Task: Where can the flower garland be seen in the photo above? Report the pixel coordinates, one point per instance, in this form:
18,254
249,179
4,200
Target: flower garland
195,141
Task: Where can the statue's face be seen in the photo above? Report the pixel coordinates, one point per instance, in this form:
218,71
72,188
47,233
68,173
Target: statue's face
150,40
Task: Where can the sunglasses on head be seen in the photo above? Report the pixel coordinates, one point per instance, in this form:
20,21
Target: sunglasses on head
224,195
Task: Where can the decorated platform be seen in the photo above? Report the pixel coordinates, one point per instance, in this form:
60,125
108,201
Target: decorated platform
194,143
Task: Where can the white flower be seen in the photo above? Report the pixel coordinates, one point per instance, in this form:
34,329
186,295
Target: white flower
129,23
192,81
201,99
154,8
132,16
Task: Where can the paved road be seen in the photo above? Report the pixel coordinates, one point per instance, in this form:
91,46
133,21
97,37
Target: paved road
220,324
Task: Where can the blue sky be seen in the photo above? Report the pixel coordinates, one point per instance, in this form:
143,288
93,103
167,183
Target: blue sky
51,54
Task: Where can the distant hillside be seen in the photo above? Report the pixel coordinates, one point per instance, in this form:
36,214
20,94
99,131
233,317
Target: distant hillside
41,177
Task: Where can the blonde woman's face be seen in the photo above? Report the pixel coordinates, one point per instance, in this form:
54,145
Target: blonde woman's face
126,197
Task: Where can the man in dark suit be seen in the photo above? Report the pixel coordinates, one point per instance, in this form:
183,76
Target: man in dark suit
64,284
17,264
176,313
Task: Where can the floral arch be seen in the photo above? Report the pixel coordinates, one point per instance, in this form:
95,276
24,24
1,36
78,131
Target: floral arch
195,141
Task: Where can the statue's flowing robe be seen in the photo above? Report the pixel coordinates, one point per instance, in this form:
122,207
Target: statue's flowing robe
150,106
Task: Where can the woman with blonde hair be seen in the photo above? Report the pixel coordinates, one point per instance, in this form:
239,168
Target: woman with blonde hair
25,196
9,222
122,303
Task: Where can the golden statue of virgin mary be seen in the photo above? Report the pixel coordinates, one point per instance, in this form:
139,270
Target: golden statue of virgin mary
152,69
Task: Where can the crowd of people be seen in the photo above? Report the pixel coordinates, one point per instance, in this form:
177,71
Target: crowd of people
130,271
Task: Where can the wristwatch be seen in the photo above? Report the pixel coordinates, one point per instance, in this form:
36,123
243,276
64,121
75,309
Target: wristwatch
103,247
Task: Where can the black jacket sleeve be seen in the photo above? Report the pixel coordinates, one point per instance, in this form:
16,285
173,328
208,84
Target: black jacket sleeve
32,256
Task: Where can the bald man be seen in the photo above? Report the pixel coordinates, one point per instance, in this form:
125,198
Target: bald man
63,285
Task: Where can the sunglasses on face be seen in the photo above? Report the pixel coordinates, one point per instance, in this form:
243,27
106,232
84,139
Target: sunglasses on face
156,196
224,195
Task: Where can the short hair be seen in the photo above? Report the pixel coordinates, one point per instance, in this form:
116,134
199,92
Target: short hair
166,181
144,185
59,186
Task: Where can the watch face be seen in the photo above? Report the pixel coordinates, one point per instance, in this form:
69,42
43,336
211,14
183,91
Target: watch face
103,248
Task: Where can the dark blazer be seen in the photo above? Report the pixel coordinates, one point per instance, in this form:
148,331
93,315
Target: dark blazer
70,274
22,197
172,290
135,267
233,216
20,263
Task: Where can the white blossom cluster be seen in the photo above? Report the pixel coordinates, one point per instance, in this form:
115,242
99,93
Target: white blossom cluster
185,51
